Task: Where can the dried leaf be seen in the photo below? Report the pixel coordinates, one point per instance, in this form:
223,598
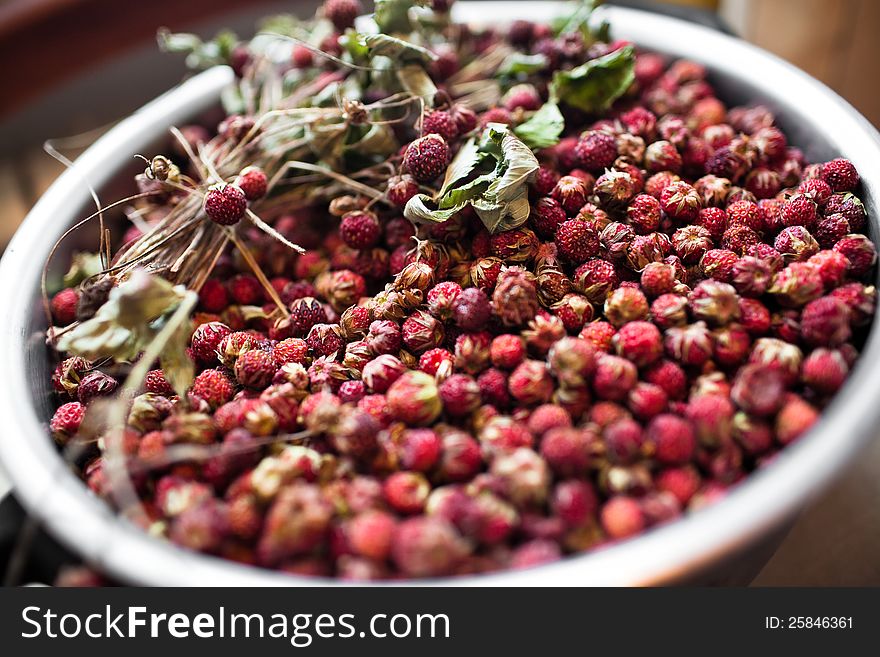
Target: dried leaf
400,50
83,265
415,80
124,324
392,16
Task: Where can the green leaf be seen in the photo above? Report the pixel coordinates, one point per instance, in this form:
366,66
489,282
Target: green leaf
577,21
382,45
595,85
518,63
543,129
462,164
392,16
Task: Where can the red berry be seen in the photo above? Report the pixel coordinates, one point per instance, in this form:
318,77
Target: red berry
359,229
406,492
426,157
440,123
214,387
596,150
225,204
840,174
342,13
64,306
206,340
255,369
672,438
577,241
253,182
66,420
460,395
622,517
213,297
420,449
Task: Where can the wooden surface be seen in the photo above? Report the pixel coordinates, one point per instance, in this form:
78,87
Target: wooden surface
833,40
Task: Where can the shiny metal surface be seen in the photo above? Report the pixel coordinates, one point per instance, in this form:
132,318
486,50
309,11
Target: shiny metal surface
699,548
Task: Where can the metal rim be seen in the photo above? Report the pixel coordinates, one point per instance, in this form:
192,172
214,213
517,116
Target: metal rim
662,555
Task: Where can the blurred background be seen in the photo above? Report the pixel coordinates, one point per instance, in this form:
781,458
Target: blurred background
73,67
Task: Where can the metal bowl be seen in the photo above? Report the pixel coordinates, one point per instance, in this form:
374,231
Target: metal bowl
705,546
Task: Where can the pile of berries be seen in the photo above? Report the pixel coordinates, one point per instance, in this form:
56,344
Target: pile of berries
686,296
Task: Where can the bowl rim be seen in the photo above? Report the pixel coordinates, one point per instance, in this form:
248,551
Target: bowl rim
663,555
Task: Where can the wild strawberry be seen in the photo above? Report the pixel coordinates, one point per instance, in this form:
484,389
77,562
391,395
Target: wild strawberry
427,547
206,340
213,297
225,204
681,202
465,118
370,534
359,229
523,96
214,387
324,339
246,290
622,517
414,399
460,395
471,309
515,299
156,383
255,369
596,150
691,243
795,417
381,372
577,241
795,243
64,306
406,492
440,123
426,157
840,174
545,180
547,214
571,193
400,190
305,313
66,420
860,251
825,322
253,182
342,13
861,299
595,279
643,214
850,207
420,448
460,457
574,311
625,304
639,342
95,384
